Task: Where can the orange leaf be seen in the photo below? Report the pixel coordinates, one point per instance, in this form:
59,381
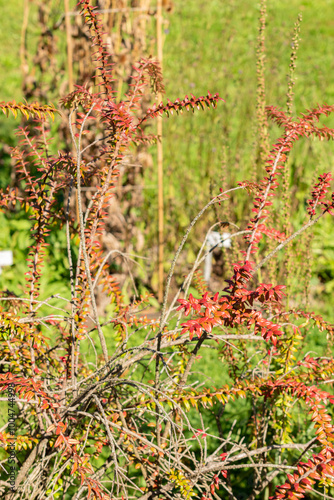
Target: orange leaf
74,468
58,441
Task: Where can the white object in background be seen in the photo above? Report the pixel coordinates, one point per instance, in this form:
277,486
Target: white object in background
218,240
6,258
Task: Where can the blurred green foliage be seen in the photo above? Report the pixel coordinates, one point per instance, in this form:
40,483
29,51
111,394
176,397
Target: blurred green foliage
208,45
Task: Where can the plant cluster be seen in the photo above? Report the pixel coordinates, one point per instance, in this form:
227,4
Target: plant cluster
116,406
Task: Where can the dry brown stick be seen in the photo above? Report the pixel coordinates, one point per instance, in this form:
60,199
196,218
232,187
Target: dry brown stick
125,425
23,47
186,373
70,74
29,462
160,165
69,46
83,237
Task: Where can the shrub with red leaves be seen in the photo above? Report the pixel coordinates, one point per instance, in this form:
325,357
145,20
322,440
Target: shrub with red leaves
109,407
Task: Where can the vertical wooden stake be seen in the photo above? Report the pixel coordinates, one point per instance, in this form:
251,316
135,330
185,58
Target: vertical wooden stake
23,47
70,76
160,168
69,46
